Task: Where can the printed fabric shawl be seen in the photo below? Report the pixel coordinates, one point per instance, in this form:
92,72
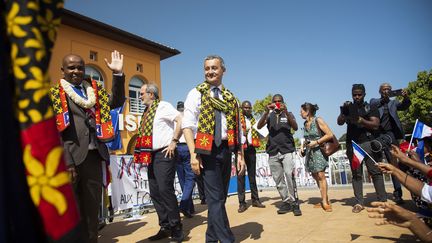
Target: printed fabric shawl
206,119
104,128
255,137
144,143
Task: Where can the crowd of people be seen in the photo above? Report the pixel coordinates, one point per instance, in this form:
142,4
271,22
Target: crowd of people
198,139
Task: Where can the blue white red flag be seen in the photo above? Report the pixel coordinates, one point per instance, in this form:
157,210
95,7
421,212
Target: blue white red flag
358,156
421,130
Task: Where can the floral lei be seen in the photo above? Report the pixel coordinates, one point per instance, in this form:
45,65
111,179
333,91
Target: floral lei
77,99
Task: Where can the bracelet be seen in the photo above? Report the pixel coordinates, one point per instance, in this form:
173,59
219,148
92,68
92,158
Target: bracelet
359,120
175,140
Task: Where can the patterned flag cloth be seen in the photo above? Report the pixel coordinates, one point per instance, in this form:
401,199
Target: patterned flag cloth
31,28
144,144
255,138
206,119
254,132
116,143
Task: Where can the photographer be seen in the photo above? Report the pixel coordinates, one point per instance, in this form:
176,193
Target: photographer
390,123
281,148
362,124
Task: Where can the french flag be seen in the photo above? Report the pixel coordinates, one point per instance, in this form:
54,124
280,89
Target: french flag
358,156
421,130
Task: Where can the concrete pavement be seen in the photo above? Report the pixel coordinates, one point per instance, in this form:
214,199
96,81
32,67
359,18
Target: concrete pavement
265,225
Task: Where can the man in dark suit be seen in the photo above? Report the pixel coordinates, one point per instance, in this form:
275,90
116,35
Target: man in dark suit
82,112
390,124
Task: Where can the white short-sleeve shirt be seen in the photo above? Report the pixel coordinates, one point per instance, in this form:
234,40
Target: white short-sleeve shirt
163,125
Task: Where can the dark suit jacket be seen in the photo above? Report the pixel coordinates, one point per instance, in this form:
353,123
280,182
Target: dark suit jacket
76,137
393,106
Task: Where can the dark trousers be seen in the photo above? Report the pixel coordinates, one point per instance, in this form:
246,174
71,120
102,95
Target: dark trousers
161,173
216,174
250,159
186,177
357,175
88,191
200,184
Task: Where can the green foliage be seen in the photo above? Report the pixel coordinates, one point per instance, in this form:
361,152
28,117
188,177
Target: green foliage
258,109
420,93
297,142
259,105
342,138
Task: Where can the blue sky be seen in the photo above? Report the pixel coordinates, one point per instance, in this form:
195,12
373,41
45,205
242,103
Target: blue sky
309,50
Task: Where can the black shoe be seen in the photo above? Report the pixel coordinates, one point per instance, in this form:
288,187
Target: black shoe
398,200
186,213
101,225
163,233
296,210
258,204
285,208
177,234
242,208
111,214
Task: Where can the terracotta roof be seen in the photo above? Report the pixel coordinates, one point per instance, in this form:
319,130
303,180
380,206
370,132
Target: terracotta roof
85,23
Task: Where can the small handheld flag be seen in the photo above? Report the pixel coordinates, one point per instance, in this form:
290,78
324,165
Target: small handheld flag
358,155
420,131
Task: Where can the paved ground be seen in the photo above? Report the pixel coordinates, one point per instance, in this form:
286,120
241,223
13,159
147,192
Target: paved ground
265,225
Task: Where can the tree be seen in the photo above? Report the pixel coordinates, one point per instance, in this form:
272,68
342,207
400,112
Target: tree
259,105
258,110
420,93
342,138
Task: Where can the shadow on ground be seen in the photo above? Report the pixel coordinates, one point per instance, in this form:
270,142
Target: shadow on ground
249,230
107,234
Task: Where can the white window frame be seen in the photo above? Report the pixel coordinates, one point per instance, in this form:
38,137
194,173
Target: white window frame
91,75
135,103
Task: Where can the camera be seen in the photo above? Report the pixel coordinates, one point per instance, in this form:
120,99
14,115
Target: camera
379,145
350,111
396,92
384,141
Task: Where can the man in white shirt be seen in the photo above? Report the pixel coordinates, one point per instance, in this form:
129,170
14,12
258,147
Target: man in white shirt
158,136
212,132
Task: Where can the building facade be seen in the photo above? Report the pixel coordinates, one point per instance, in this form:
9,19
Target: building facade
94,41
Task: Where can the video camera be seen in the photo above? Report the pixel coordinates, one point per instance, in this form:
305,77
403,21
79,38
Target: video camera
384,141
379,145
350,111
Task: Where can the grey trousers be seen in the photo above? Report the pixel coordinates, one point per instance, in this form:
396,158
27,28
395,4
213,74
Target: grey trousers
281,167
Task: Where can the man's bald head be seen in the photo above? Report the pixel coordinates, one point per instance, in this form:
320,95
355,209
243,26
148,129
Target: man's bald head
73,69
72,57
